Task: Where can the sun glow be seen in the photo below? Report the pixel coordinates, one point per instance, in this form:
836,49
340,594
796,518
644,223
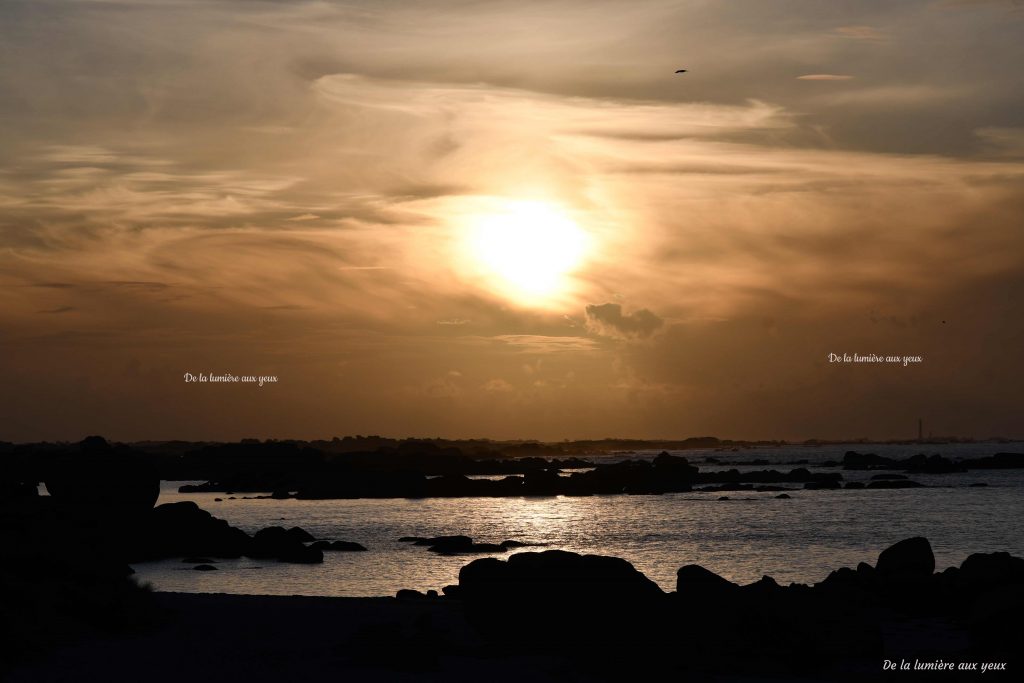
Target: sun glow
526,251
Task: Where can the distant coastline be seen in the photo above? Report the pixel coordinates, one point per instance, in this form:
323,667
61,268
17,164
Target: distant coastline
509,448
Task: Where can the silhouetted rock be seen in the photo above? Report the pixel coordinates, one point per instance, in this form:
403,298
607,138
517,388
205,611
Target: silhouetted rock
932,464
347,547
204,568
542,483
766,586
275,542
694,581
338,546
299,534
865,461
454,540
102,479
519,544
555,596
409,594
64,576
454,545
181,530
461,544
992,569
786,496
997,461
899,484
911,557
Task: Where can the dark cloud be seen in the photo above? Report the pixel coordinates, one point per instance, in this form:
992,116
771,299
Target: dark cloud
608,320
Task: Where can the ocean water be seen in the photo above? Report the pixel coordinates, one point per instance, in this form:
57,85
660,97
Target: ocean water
744,538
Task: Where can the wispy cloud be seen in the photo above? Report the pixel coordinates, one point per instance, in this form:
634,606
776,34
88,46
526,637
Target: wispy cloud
862,32
816,166
825,77
534,343
1003,141
609,320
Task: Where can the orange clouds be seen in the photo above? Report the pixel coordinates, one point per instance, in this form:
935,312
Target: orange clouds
285,189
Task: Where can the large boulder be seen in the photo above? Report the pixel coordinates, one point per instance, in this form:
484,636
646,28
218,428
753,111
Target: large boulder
991,569
184,529
99,479
554,596
299,534
694,582
910,558
284,545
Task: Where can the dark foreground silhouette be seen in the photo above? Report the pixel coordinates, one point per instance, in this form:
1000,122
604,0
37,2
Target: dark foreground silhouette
555,615
70,610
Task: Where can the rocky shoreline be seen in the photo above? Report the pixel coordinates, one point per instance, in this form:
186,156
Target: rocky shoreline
424,470
555,615
70,603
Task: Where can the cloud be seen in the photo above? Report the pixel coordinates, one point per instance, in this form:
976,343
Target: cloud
519,113
888,96
737,192
608,320
824,77
442,387
497,386
536,343
861,32
1008,142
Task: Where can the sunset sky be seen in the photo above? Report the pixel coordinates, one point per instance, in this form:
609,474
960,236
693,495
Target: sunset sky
511,219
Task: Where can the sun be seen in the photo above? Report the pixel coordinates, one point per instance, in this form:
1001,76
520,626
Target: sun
526,251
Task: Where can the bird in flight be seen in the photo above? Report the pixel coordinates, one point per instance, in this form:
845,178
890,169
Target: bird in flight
681,71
